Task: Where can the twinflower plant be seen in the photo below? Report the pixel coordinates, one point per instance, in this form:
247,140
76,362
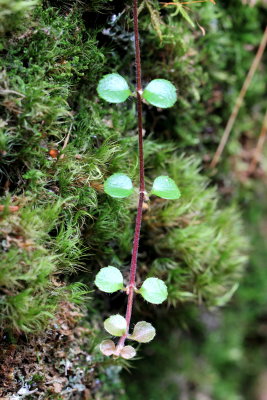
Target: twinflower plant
161,93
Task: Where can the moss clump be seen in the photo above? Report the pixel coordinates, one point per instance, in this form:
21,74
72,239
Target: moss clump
216,353
204,249
43,74
60,145
13,12
30,257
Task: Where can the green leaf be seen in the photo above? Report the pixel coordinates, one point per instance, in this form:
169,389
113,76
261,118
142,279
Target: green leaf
180,9
113,88
107,347
118,185
127,352
154,290
186,16
115,325
161,93
221,301
166,188
143,332
109,279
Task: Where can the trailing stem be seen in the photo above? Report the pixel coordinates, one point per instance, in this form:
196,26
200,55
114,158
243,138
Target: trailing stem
138,222
160,93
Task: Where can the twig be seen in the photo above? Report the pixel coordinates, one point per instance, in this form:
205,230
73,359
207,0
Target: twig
259,147
138,222
66,141
239,100
187,2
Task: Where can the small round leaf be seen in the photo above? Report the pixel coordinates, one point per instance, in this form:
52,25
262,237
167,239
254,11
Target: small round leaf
118,185
160,93
143,332
154,290
109,279
127,352
115,325
113,88
166,188
107,347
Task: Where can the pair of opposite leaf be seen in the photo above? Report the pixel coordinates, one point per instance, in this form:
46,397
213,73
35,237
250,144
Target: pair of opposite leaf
120,185
115,89
109,279
154,290
143,332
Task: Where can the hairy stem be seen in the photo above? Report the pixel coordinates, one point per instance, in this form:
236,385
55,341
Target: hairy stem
138,221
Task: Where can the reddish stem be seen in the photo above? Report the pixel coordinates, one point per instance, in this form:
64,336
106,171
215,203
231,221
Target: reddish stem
138,93
138,221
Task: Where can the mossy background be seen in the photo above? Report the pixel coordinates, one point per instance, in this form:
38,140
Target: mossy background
59,141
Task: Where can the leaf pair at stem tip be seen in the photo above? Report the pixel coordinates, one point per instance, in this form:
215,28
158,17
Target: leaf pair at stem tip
116,325
108,348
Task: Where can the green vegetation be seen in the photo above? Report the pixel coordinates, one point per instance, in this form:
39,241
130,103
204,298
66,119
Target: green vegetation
166,188
160,93
58,145
113,88
118,185
213,353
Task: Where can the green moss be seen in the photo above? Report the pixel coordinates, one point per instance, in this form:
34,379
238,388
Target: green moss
12,13
30,258
51,103
204,249
217,353
63,218
59,142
